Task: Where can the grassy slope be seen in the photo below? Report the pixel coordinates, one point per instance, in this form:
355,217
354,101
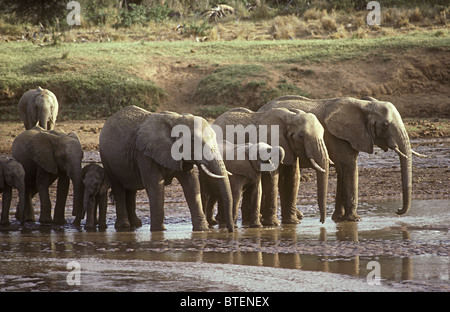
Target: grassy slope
93,80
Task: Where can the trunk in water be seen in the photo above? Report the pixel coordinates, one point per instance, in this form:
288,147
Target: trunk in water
406,169
322,192
218,167
88,208
319,154
78,191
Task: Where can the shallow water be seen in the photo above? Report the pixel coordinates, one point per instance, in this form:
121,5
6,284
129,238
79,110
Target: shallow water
411,253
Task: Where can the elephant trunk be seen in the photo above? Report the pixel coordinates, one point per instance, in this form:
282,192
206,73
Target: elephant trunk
320,162
43,117
88,209
20,211
78,191
217,167
403,149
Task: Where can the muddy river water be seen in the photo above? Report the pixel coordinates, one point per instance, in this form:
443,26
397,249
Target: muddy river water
383,252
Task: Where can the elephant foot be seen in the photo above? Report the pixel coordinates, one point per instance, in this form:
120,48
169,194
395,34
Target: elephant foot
212,222
255,224
5,223
102,226
352,216
89,226
77,221
59,221
156,228
135,222
292,219
45,221
270,221
201,227
299,214
122,224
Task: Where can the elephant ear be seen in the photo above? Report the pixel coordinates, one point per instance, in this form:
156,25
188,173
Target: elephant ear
41,148
347,120
155,140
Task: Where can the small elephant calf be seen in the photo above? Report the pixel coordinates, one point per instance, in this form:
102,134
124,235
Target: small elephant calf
96,186
11,175
245,162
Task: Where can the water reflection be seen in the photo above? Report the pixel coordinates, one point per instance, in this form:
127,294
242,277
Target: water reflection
413,249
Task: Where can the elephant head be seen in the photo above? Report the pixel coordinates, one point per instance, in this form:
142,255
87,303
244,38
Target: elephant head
181,142
259,157
59,153
368,122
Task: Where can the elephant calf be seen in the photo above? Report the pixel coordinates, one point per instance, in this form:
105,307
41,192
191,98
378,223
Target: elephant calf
11,175
96,186
38,107
245,162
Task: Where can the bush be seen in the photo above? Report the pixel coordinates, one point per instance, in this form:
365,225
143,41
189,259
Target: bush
141,14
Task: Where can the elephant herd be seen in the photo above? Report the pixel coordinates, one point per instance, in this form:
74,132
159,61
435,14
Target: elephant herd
255,156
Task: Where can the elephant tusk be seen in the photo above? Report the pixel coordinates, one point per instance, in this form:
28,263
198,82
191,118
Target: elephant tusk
229,173
418,154
400,153
331,162
316,166
210,173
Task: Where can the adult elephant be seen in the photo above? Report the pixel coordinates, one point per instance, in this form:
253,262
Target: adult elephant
45,157
245,162
300,134
352,126
141,150
11,175
38,107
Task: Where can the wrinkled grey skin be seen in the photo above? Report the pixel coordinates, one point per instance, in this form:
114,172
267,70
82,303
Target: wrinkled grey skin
136,152
352,126
11,175
45,157
38,107
301,136
245,179
95,190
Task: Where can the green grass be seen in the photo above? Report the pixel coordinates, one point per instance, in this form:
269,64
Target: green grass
93,80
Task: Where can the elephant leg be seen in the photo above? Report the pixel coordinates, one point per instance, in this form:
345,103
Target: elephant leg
61,197
191,188
345,160
43,183
6,204
102,207
254,204
269,202
28,205
236,191
118,191
246,206
288,184
130,196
